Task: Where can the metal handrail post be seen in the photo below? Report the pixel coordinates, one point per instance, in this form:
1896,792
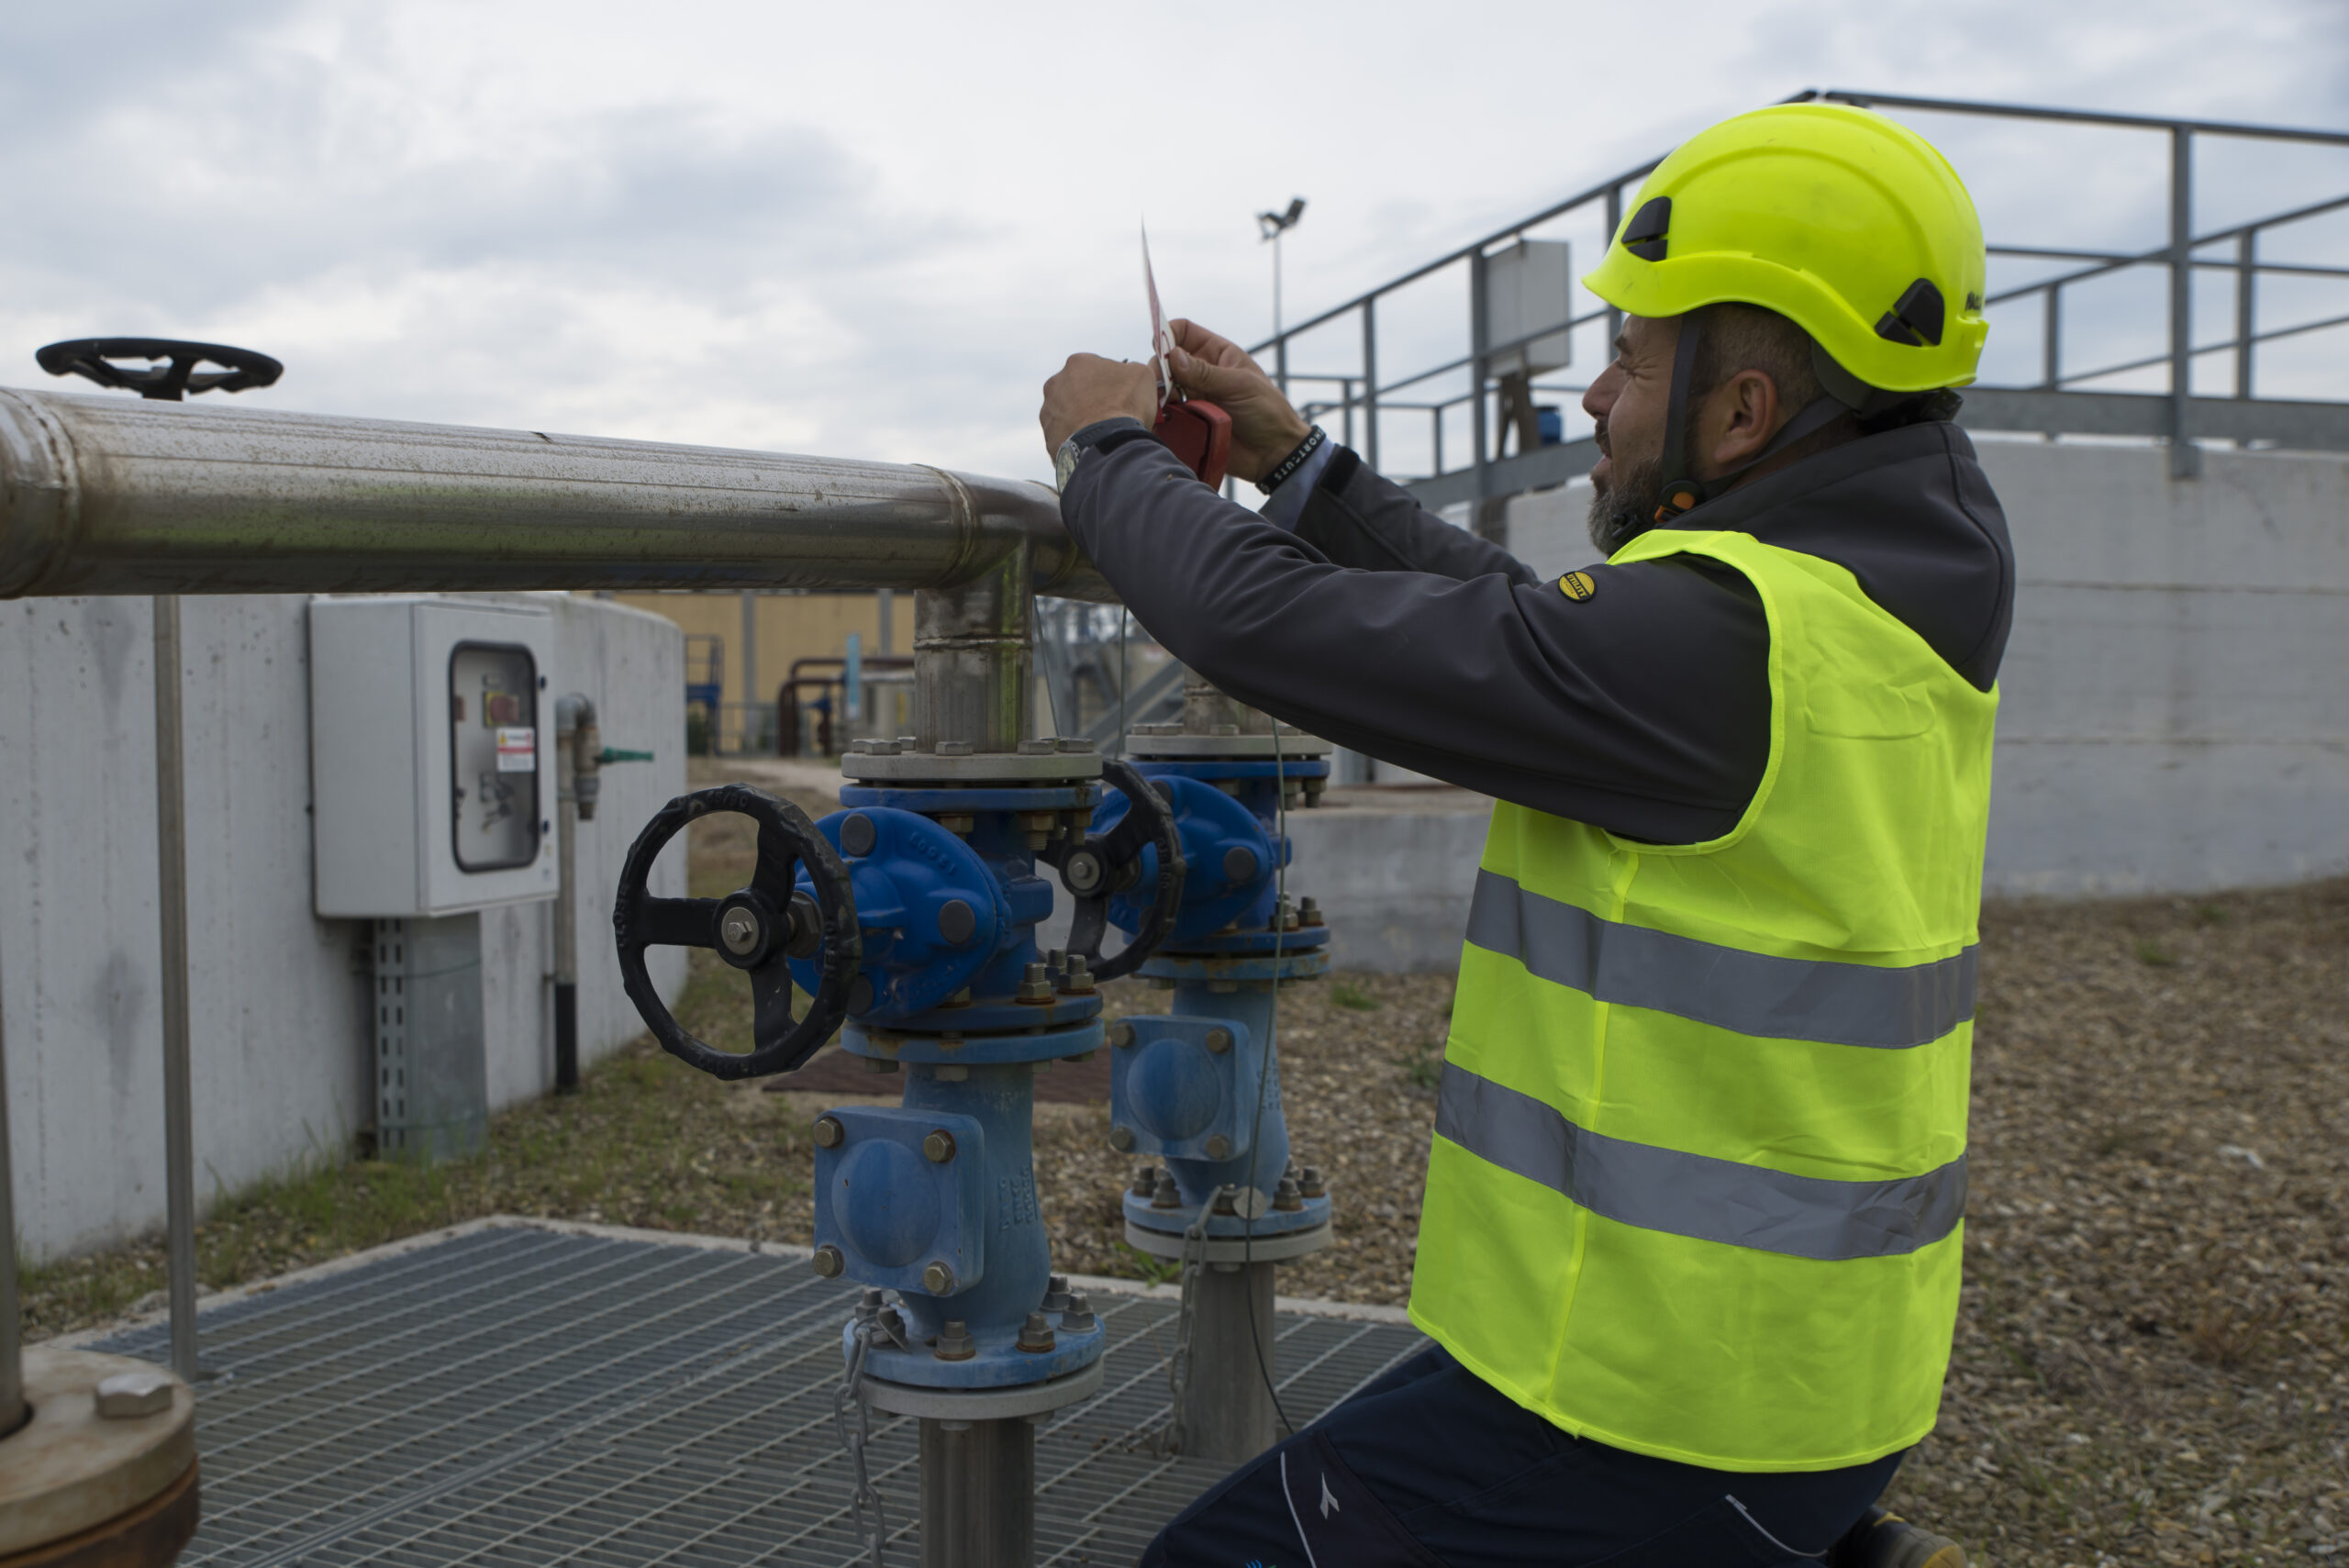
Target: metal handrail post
1435,415
171,848
1370,380
2051,346
1346,386
2246,307
1280,362
2183,463
11,1328
1614,227
1477,335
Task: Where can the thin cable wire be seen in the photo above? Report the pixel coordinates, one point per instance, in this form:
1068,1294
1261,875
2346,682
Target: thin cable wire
1272,1063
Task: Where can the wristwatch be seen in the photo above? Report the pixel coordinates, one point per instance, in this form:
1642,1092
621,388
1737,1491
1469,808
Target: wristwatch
1102,435
1065,465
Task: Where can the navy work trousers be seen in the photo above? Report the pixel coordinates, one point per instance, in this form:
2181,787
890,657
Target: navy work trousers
1433,1467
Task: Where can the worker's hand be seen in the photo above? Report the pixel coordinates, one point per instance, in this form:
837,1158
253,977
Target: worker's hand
1264,427
1089,389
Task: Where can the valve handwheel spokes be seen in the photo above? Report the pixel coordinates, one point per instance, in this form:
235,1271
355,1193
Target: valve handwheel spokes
758,930
1102,865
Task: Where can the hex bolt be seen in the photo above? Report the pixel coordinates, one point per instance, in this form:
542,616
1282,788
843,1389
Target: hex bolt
1035,987
1239,863
829,1133
938,1279
878,1064
1056,1294
1039,748
954,747
1223,1199
956,921
1076,976
858,834
1288,1198
938,1146
1056,960
909,742
1166,1195
1078,1318
1145,1181
127,1394
954,1342
1310,1184
1121,1034
1218,1040
1219,1146
1036,1334
1083,873
1308,912
1121,1138
739,929
959,823
829,1261
869,1300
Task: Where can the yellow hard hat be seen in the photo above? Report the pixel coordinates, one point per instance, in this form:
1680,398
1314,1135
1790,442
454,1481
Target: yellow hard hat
1850,224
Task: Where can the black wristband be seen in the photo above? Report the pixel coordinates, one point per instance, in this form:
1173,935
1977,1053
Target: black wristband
1294,460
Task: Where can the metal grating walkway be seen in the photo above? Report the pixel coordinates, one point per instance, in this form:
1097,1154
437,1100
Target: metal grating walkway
520,1396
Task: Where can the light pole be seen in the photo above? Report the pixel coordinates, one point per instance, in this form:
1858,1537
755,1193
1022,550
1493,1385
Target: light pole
1271,225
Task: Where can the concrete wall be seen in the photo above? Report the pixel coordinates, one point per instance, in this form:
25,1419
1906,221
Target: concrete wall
2173,717
278,997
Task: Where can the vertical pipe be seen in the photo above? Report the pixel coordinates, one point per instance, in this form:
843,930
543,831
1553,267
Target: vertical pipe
978,1488
179,1121
1369,382
1280,364
1436,436
566,912
2246,307
12,1349
1348,386
2182,455
885,613
749,661
1228,1411
974,659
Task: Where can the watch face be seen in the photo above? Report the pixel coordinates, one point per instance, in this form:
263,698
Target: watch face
1064,463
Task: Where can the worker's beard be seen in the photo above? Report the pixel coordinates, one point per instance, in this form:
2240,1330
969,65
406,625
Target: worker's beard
1623,510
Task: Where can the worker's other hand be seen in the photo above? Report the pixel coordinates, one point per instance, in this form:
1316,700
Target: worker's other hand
1090,389
1265,426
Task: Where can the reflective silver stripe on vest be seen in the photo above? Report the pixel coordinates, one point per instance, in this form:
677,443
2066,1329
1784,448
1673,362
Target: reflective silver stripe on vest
1752,993
1695,1195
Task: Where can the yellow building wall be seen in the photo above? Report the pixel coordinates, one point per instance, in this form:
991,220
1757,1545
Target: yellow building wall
790,626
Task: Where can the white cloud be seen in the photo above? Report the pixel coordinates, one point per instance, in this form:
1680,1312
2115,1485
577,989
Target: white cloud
872,232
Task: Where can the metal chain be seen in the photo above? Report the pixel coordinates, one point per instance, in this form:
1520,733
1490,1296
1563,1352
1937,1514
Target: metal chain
1168,1442
873,1529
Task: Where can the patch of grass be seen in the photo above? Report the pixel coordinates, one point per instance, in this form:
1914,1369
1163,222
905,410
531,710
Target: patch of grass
1425,1069
2210,914
1346,993
2152,955
1140,1266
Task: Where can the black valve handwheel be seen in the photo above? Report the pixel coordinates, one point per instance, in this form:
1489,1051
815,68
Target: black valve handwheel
168,382
758,930
1102,865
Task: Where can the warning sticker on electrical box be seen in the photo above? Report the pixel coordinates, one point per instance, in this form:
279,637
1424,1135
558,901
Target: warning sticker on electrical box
517,748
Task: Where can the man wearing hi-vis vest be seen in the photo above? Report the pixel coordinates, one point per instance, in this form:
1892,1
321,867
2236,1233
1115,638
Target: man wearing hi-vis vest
1689,1248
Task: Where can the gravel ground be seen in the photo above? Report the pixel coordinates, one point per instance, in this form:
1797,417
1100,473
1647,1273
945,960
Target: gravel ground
2150,1364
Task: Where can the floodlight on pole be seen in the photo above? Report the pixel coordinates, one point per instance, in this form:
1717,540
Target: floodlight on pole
1271,225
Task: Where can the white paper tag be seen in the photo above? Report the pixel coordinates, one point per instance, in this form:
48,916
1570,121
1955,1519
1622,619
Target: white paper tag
517,748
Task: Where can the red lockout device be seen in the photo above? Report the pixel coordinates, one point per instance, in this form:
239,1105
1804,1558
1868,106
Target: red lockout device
1193,428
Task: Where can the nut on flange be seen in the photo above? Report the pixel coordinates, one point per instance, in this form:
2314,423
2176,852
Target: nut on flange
938,1279
954,1342
1036,1334
828,1262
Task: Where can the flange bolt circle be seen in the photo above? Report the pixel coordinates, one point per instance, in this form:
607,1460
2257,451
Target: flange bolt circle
1036,1334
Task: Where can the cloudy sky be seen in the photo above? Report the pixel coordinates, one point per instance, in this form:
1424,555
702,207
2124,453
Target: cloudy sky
872,230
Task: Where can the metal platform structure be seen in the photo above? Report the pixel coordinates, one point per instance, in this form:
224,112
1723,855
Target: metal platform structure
520,1396
2035,289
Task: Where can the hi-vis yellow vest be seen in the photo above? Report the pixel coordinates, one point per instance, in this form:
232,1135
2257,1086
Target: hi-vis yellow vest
1700,1166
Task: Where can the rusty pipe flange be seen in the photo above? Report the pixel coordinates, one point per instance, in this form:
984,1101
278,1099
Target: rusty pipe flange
71,1473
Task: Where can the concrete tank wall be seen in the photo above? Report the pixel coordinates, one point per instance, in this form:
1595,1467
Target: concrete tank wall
278,997
2172,716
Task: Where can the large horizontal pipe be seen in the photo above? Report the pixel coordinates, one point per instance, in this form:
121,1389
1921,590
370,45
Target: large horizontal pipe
120,495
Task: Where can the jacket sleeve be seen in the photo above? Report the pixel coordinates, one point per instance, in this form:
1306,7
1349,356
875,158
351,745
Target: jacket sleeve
1643,708
1356,518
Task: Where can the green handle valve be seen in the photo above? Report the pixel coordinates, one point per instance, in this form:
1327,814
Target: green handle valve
611,754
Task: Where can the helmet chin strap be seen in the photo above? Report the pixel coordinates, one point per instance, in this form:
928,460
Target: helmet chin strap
1682,492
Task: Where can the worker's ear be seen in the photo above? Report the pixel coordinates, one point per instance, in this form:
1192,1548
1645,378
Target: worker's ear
1740,415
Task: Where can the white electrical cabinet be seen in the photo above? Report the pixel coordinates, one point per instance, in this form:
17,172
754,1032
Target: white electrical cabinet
1529,289
432,779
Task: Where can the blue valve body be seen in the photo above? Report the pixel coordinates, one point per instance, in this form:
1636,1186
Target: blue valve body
1226,961
894,1210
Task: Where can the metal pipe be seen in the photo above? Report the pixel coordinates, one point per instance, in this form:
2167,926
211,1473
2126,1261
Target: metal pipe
578,747
121,495
1370,384
1229,1416
179,1121
2051,340
974,658
978,1490
12,1344
2184,459
2246,307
